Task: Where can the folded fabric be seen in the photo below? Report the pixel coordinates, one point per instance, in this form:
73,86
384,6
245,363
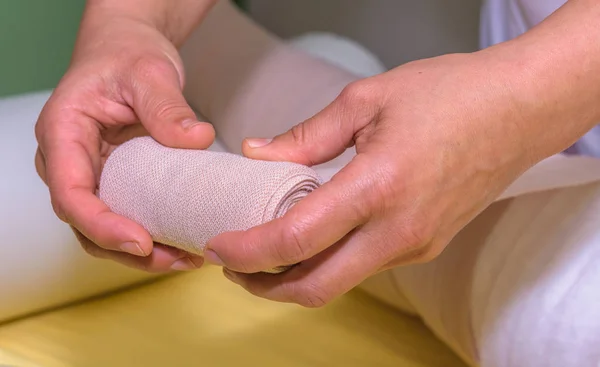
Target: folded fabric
185,197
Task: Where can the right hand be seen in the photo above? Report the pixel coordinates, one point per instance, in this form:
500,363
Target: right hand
125,80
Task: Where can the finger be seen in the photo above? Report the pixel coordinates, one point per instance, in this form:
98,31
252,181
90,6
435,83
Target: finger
322,137
315,223
157,99
117,137
71,166
320,280
163,259
40,165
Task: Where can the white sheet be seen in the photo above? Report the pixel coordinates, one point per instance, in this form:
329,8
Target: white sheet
488,295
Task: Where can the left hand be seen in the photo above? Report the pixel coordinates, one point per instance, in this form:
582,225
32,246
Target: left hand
437,141
125,80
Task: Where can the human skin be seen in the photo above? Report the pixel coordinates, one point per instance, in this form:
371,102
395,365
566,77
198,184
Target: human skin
229,94
437,141
125,79
486,105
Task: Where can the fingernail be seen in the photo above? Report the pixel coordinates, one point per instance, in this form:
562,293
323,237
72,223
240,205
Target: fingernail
213,258
258,143
132,248
184,264
188,124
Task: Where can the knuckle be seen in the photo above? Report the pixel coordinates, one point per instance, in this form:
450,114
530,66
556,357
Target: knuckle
54,116
381,188
39,130
415,236
359,94
302,136
312,294
168,109
244,259
418,244
150,67
423,255
361,103
59,211
428,253
60,125
299,133
293,248
40,165
241,262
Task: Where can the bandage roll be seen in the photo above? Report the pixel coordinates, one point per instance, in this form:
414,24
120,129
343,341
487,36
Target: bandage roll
185,197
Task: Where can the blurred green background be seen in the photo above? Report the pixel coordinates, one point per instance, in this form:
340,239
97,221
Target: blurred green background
36,38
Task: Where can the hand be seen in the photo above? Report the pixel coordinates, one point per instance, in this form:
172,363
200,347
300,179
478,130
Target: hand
436,141
125,80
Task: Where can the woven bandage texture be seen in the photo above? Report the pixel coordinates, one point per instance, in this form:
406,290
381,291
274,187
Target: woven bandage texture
185,197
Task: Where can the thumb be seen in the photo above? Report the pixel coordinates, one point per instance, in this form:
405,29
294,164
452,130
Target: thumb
317,140
159,103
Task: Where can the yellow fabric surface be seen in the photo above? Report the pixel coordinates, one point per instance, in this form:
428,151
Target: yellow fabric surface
201,319
8,359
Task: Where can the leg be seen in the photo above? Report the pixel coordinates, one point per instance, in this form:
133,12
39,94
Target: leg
513,286
450,293
41,263
239,87
517,287
248,83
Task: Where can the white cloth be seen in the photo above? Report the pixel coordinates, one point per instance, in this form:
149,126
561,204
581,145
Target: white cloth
519,286
41,263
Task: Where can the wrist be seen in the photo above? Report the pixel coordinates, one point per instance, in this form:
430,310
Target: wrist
116,36
553,101
551,75
174,19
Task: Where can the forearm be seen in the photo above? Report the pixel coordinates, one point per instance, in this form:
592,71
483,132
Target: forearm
552,74
174,18
253,84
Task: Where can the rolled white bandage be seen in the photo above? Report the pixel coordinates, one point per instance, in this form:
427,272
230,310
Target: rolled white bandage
186,197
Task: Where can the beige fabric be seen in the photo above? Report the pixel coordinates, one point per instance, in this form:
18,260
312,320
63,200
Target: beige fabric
186,197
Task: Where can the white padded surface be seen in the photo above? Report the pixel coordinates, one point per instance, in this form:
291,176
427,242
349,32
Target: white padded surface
41,263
